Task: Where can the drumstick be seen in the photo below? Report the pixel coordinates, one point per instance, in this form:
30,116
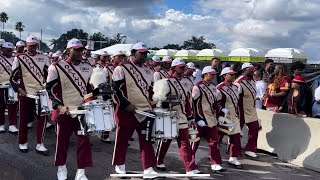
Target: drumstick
145,113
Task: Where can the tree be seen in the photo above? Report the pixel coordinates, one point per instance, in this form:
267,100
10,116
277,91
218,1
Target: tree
197,43
19,27
61,42
3,18
172,46
119,38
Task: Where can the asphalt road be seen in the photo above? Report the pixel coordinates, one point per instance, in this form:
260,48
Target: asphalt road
18,166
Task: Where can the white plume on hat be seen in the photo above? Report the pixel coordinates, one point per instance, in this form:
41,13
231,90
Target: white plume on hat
160,89
98,76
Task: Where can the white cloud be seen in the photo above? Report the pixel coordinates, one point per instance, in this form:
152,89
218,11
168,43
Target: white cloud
263,24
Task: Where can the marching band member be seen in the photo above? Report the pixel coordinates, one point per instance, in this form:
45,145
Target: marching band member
6,61
164,71
118,57
155,64
229,100
191,68
20,46
247,105
181,86
87,56
133,91
27,77
205,97
104,58
67,85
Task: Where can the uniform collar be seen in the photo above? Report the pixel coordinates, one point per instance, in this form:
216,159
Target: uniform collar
69,61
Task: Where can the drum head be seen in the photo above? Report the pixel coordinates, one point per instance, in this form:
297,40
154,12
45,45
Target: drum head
159,110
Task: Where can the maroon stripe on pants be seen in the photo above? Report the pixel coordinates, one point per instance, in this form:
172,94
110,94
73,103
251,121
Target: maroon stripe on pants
212,137
184,149
65,126
2,106
26,114
252,136
123,136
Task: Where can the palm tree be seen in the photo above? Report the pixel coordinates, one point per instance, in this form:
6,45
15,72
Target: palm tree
3,18
19,27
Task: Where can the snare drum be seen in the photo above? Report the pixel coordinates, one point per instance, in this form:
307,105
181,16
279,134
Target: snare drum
99,116
44,103
165,125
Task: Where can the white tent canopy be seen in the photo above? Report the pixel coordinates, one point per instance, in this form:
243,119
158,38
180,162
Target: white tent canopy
186,53
211,53
166,52
290,53
246,52
113,49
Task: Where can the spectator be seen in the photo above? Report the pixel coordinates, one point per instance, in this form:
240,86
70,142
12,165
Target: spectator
261,86
197,74
225,64
237,68
296,69
278,89
316,104
299,99
215,65
268,63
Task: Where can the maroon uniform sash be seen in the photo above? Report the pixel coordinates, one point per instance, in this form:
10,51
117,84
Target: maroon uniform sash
75,77
32,67
5,64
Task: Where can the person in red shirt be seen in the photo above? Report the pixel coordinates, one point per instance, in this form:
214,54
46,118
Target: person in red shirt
278,89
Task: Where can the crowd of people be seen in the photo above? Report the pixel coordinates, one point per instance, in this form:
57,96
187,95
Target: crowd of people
216,101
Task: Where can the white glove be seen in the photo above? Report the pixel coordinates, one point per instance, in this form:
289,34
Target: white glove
201,123
225,111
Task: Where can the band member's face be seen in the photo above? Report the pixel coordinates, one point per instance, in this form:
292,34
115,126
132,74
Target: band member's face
87,52
32,48
180,70
166,65
7,52
118,59
249,72
188,72
104,59
209,77
76,54
141,57
20,49
230,77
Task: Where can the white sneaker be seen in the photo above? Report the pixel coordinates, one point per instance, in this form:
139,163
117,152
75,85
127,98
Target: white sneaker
23,146
149,171
62,172
120,169
40,147
30,124
2,129
195,171
234,161
80,175
251,154
13,129
216,167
